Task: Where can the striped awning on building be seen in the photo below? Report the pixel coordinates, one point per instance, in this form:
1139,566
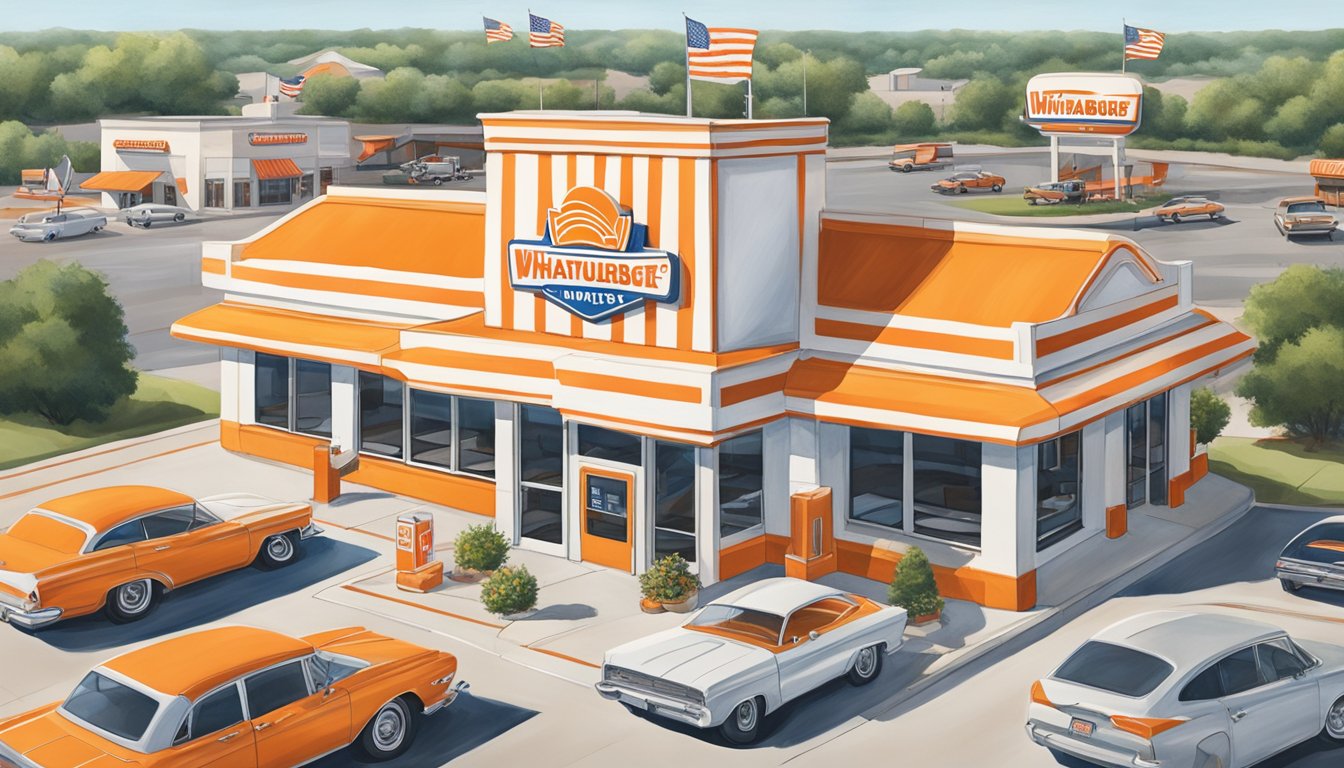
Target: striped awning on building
282,168
121,181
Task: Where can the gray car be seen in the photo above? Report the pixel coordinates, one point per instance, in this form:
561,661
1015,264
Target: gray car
1304,216
147,214
49,225
1189,690
1315,558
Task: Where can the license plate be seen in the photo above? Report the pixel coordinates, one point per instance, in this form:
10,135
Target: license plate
1082,727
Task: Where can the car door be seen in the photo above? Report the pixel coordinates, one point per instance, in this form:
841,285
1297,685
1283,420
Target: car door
179,546
293,718
215,734
1270,704
806,661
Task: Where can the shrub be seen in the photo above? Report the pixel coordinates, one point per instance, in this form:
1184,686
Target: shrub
1209,413
481,548
668,580
509,590
913,587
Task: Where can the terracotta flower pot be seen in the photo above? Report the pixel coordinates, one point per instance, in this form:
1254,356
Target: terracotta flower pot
683,606
927,618
650,606
469,575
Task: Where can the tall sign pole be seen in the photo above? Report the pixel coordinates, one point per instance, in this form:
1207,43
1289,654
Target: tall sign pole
686,52
1123,58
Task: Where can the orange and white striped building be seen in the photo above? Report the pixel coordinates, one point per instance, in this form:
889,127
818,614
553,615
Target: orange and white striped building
765,380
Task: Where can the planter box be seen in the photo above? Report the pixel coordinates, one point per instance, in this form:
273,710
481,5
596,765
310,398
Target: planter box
650,606
927,618
685,606
469,575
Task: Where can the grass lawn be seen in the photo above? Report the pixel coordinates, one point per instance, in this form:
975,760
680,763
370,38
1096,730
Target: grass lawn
1282,471
1008,204
158,404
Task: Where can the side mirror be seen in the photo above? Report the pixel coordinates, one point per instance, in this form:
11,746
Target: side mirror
813,635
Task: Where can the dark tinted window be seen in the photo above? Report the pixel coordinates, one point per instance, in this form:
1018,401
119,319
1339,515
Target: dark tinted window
1114,668
275,688
379,414
126,533
1206,685
476,436
111,706
271,387
1320,543
216,711
600,443
170,522
1278,661
1239,672
312,397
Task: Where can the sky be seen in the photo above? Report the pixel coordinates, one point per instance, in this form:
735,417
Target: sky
851,15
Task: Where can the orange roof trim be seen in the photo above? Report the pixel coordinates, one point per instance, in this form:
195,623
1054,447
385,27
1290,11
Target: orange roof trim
278,331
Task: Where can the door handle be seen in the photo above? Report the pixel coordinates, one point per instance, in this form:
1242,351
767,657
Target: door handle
1238,715
165,546
228,736
263,726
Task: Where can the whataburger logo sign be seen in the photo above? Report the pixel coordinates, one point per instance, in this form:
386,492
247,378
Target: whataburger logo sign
1075,106
1080,102
593,260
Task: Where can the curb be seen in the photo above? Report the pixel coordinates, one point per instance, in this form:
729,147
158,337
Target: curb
105,448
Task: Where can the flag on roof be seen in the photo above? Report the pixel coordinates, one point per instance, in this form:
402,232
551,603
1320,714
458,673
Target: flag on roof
544,33
497,31
722,54
1143,43
292,86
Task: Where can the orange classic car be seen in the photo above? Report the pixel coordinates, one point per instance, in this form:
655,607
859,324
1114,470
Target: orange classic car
964,181
238,697
1186,206
119,549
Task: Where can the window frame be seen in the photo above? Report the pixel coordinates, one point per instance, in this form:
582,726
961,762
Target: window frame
454,429
96,544
191,525
402,444
306,674
189,719
755,529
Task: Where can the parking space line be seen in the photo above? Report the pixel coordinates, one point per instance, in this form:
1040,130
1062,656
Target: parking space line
409,604
355,530
564,656
12,494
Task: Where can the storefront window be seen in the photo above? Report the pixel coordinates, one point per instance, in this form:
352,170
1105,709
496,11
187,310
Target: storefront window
876,476
242,194
741,483
380,400
442,424
306,186
1059,506
674,505
947,488
275,191
541,471
599,443
312,398
1157,449
1136,452
476,436
432,428
271,387
214,193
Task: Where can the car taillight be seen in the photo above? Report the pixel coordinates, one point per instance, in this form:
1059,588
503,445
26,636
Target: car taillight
443,680
1145,727
1038,695
32,602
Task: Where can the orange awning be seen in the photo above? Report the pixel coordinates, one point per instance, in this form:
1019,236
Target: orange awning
298,334
121,181
373,145
181,182
283,168
1327,169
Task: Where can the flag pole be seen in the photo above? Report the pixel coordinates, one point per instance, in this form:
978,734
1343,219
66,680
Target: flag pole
541,98
749,99
1123,57
687,54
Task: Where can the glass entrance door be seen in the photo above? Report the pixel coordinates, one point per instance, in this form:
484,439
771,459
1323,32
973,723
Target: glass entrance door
1146,452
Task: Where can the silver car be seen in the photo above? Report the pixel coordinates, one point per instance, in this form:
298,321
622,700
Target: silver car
49,225
1188,690
1315,558
146,214
1304,216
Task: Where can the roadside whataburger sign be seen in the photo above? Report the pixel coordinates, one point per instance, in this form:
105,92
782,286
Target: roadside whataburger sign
592,260
1084,103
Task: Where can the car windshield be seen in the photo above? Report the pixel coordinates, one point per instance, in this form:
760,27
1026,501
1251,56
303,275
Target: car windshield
756,626
1320,543
48,532
111,706
1315,206
1114,668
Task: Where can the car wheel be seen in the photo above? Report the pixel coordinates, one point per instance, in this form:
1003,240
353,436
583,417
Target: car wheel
131,602
961,190
1289,585
278,551
48,237
867,665
390,731
1214,216
1175,218
438,182
146,223
997,188
179,217
907,168
1333,732
97,229
743,725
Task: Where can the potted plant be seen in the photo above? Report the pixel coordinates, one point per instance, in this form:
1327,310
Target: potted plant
510,593
670,585
478,551
914,589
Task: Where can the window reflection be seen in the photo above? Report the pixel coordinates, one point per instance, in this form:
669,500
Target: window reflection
876,476
741,483
947,488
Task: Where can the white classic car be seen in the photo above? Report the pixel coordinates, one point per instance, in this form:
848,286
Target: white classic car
743,656
145,214
1189,690
49,225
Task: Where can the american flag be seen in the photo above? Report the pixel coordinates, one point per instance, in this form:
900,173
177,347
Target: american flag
1142,43
292,86
722,54
544,33
497,31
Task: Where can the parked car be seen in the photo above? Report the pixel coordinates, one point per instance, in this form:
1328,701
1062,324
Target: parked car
239,697
119,549
1314,558
1304,216
1187,206
146,214
1189,690
962,182
46,226
920,157
1051,192
743,656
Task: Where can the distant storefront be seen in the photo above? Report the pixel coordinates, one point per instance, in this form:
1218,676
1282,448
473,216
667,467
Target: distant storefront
263,158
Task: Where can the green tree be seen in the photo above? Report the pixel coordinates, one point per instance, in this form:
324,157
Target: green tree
831,85
63,347
562,94
1296,123
1302,388
869,114
1332,141
331,95
914,118
503,95
666,74
982,103
913,587
1303,297
1209,414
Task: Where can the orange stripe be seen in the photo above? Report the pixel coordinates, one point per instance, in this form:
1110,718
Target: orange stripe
409,604
503,143
655,232
356,286
1127,353
686,212
749,390
905,337
699,436
214,266
545,199
713,279
353,530
1051,344
881,228
269,347
471,361
566,657
572,168
922,430
104,469
506,227
681,393
1143,375
625,195
667,126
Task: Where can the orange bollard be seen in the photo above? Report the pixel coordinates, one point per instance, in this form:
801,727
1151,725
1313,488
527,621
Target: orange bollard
326,480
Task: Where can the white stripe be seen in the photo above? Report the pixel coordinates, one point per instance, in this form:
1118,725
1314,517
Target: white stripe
494,240
370,274
634,321
557,317
702,321
524,225
665,324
